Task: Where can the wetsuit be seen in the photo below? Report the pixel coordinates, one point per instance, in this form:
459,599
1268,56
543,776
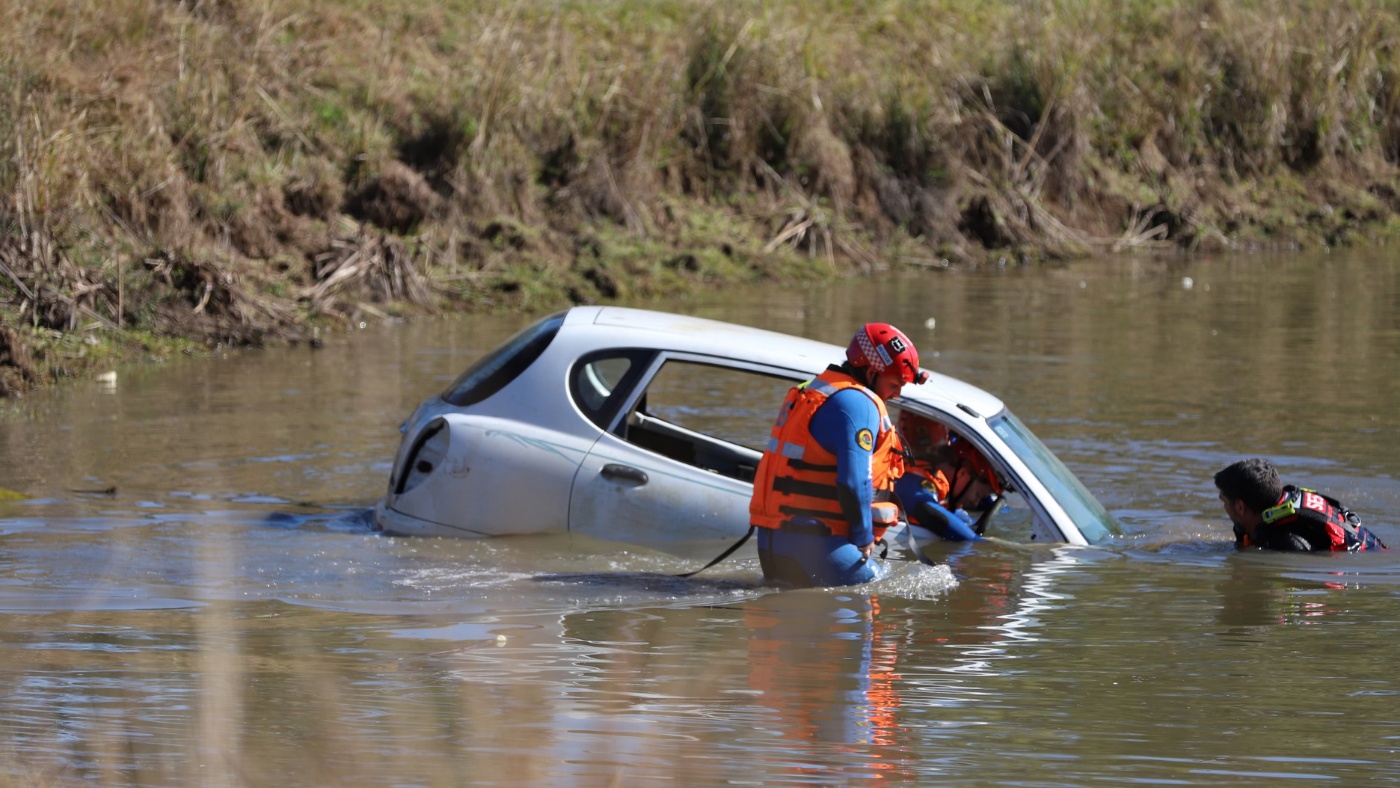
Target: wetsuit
919,494
1306,520
824,550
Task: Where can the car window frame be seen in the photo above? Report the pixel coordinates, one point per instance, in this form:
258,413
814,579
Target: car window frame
662,356
723,456
624,392
1011,481
1061,484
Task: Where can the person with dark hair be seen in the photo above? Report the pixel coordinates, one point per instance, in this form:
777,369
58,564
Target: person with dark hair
1267,513
823,493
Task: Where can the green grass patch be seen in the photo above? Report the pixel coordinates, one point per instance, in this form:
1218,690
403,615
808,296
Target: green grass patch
310,163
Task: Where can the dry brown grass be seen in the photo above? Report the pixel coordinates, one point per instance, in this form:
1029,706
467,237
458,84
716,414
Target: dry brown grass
232,170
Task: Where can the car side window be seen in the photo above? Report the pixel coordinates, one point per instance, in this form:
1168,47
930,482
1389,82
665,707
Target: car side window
598,381
602,382
733,405
710,416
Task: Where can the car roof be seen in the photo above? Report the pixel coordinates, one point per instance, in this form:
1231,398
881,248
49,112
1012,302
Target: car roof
685,333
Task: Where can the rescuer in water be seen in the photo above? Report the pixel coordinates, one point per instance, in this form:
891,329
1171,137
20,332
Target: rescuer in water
1266,513
943,478
824,490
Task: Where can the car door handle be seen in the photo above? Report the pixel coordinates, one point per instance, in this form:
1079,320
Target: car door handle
624,473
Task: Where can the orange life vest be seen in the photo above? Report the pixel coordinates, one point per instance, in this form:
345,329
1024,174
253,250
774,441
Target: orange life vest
931,478
797,477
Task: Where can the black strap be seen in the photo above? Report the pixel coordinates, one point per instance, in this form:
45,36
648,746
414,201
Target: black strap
980,528
724,554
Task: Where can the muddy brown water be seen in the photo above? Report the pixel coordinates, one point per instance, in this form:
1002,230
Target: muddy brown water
226,616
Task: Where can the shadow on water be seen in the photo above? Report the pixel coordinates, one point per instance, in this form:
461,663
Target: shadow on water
348,519
652,582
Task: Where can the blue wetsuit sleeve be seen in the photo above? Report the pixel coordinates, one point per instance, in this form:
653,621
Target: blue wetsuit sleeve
837,426
921,506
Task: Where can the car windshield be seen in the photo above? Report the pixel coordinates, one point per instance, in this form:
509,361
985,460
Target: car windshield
1094,522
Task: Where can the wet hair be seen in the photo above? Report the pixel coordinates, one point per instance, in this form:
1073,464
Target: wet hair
1253,481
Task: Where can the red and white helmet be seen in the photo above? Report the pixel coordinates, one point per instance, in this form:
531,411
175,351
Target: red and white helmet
921,435
881,345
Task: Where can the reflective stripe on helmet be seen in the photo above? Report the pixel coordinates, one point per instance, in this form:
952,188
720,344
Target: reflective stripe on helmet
879,346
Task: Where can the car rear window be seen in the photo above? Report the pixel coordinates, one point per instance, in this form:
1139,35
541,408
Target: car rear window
494,370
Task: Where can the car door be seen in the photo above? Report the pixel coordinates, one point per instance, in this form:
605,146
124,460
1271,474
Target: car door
674,467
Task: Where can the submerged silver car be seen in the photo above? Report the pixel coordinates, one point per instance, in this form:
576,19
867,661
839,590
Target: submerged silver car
646,427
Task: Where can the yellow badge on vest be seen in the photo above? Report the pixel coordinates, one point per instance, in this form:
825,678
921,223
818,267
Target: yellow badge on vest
865,439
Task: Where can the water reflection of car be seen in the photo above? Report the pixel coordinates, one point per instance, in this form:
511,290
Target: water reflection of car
646,427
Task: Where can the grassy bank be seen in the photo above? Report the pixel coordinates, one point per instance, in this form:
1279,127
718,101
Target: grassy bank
181,173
